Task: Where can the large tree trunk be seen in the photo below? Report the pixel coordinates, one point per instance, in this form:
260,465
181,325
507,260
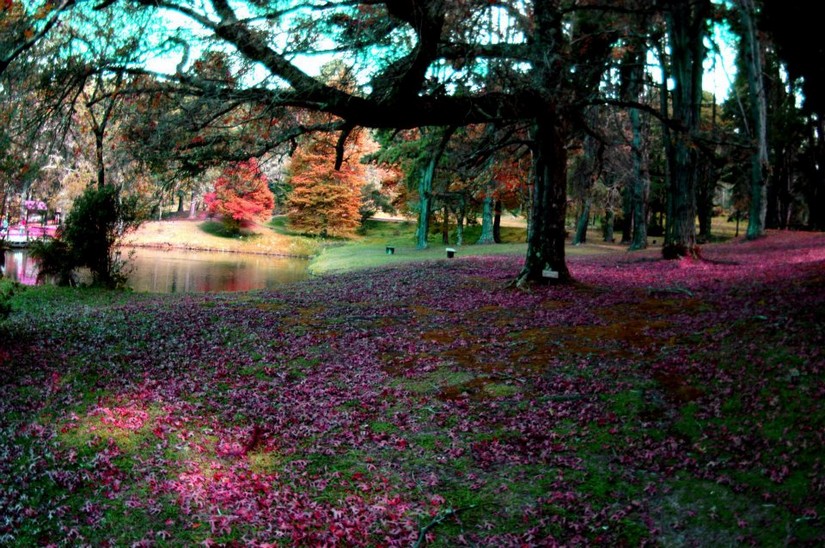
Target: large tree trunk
581,225
686,29
445,226
816,200
544,262
193,206
100,165
640,189
627,214
759,119
487,217
461,213
609,220
633,71
641,185
425,199
425,189
497,222
707,176
546,233
782,184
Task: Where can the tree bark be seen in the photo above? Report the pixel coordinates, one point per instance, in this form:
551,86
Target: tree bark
487,236
461,212
627,215
609,218
686,29
497,222
546,233
759,119
99,161
633,70
193,206
581,225
425,190
707,177
816,200
445,226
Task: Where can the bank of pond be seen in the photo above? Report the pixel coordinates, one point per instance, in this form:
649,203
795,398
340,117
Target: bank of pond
179,271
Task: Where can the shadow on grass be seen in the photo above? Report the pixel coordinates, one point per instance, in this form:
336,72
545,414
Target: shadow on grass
220,230
280,224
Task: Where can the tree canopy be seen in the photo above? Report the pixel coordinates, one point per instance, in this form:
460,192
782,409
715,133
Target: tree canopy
241,80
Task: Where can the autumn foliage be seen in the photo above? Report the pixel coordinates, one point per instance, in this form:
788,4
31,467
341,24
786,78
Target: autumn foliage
241,195
325,201
655,403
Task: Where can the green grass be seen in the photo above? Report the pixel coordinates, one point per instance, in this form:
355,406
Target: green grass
41,300
365,250
220,230
272,238
368,250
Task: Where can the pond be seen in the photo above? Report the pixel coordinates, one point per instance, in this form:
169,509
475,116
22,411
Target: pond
176,271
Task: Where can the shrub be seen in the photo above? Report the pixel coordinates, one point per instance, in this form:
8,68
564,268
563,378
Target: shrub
97,221
55,261
7,290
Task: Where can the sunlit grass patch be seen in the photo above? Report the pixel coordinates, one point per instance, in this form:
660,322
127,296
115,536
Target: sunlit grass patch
500,390
212,236
369,248
129,426
434,381
264,461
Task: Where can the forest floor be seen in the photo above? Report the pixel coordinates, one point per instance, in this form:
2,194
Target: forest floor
673,403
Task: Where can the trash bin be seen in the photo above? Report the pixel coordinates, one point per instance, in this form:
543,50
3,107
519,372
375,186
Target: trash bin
450,252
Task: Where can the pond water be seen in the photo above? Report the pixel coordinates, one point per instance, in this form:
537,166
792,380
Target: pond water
174,271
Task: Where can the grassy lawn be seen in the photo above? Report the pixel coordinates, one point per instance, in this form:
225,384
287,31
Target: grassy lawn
673,403
365,250
368,250
270,238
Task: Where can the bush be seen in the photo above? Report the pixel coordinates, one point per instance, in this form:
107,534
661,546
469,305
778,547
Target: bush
7,290
55,261
97,221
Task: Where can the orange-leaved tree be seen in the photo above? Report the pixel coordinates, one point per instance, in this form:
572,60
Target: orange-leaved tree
241,195
326,201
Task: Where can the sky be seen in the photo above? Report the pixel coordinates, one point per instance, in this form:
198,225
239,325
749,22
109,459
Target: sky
720,67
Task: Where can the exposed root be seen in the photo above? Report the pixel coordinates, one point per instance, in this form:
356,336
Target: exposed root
679,250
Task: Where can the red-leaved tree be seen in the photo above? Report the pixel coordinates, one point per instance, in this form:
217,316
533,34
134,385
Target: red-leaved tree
241,195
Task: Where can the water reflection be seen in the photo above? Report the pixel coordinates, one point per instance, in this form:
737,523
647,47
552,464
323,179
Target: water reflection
18,266
173,271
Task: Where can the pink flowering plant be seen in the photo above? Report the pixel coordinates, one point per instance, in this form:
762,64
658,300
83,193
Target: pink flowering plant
652,402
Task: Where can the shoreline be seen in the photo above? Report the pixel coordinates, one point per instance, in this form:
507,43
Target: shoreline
178,247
